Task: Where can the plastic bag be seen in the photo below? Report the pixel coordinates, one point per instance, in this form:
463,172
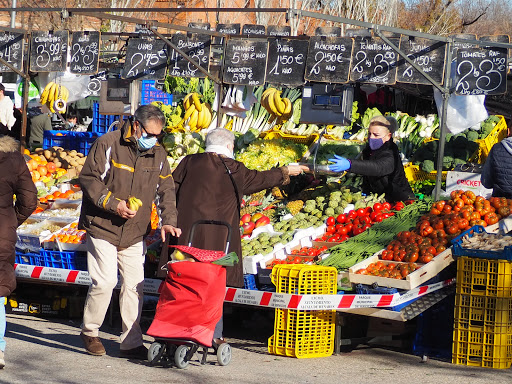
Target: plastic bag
463,111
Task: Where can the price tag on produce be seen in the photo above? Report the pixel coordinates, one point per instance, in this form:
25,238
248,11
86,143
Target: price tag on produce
48,51
85,49
286,61
197,47
245,62
145,59
373,61
328,59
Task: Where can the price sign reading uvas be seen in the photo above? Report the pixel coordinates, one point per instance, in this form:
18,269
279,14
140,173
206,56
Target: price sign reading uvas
145,59
48,51
245,62
85,49
11,50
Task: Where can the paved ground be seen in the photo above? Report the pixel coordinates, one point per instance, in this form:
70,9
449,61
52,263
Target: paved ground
50,351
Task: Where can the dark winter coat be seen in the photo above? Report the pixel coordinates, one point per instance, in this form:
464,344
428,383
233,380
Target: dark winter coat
15,179
383,172
114,170
204,191
497,171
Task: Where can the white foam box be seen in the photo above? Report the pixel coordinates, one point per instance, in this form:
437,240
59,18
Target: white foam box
413,280
250,264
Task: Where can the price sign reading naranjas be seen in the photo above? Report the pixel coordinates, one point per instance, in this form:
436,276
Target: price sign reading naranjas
145,59
197,47
245,62
85,49
48,51
11,50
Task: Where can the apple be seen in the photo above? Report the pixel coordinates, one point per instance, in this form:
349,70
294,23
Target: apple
248,227
264,220
256,217
246,218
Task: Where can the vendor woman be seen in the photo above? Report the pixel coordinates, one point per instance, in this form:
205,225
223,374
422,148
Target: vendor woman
380,165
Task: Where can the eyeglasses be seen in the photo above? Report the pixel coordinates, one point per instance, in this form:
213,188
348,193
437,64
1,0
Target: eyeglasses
158,135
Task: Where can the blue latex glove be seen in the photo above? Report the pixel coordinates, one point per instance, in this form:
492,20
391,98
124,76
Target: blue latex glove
341,164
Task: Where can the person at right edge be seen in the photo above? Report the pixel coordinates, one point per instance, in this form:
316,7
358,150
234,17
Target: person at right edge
380,166
210,186
497,170
122,164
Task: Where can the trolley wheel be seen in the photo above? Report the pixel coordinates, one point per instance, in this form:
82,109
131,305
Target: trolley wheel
179,356
155,353
224,354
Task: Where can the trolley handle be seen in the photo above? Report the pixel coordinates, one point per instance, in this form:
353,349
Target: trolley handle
210,222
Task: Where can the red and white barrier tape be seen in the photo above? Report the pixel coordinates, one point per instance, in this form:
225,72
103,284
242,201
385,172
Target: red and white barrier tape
327,302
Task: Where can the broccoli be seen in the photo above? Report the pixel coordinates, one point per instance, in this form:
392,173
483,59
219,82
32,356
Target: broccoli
472,135
427,166
458,161
437,134
447,163
449,137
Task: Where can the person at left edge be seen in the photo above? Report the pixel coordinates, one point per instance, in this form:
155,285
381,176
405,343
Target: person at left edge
15,179
7,118
123,163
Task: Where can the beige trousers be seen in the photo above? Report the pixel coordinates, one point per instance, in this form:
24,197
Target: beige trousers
103,261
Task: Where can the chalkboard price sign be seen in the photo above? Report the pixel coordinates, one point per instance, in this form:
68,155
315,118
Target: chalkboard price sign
328,59
197,47
245,62
373,61
85,48
286,61
428,54
48,51
205,26
145,59
481,71
328,31
279,30
227,29
253,30
11,50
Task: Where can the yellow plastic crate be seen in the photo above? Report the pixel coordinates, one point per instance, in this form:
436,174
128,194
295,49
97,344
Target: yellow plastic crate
483,313
484,277
414,173
499,132
482,349
307,140
300,279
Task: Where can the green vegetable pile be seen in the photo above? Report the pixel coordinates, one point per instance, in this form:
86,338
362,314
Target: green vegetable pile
367,243
264,154
179,144
341,148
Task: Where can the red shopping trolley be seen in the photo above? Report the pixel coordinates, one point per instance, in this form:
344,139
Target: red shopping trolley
190,306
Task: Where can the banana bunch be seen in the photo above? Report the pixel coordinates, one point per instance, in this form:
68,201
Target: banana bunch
279,108
133,203
55,97
197,115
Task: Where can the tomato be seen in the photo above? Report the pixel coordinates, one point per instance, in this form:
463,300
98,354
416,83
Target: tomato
349,227
377,207
330,221
360,212
297,260
491,218
446,209
341,218
366,227
386,205
435,211
440,248
379,218
426,258
356,231
365,220
330,229
344,237
343,230
504,211
463,224
452,229
289,259
399,206
352,214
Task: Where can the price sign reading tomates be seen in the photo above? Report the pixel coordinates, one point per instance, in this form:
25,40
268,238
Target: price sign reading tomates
145,59
328,59
11,50
428,54
286,61
481,71
48,51
373,61
85,48
197,47
245,62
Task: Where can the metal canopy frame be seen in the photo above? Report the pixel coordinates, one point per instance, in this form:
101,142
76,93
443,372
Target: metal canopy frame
290,13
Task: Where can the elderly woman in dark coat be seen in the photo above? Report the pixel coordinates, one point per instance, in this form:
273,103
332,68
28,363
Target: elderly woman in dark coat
15,179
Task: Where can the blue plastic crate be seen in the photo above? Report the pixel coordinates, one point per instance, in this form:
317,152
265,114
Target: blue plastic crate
101,123
458,250
28,258
150,94
56,139
84,141
65,260
434,330
250,282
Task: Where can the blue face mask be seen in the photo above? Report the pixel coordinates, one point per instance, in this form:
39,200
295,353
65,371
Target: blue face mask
375,143
146,142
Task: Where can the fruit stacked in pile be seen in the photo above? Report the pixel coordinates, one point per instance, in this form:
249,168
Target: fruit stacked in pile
391,270
197,115
280,108
263,244
55,97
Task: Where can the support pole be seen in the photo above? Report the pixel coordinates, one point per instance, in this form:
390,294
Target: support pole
13,15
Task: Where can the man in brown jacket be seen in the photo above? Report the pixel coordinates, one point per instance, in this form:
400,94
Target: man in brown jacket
210,186
121,164
15,180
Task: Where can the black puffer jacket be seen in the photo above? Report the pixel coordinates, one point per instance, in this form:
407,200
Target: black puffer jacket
497,171
15,179
383,172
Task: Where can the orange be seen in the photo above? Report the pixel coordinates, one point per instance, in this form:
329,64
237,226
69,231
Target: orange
50,197
35,175
74,225
26,151
64,238
56,194
42,170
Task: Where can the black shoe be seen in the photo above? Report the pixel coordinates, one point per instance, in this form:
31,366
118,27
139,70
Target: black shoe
216,342
140,353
